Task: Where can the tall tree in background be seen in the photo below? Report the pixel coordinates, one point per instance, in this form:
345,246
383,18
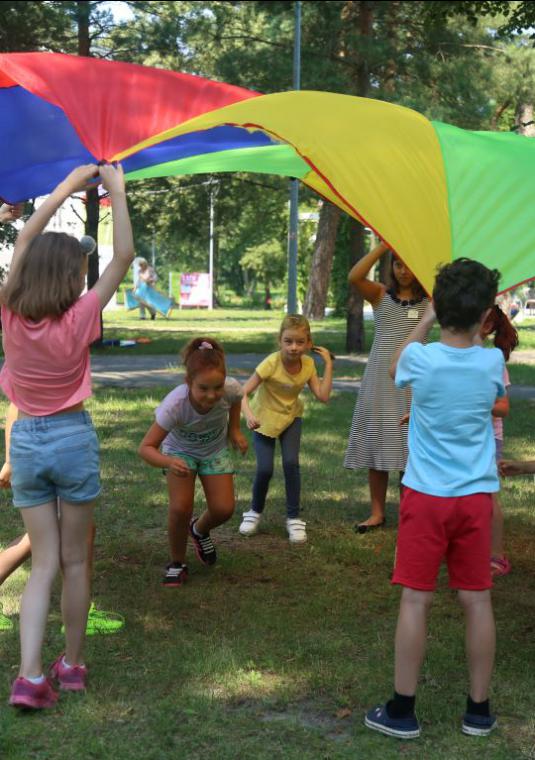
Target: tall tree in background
322,261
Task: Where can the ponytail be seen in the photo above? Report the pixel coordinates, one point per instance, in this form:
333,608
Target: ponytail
203,353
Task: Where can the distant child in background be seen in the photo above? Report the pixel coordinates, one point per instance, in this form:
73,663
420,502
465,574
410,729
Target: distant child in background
506,339
446,505
48,326
275,413
194,425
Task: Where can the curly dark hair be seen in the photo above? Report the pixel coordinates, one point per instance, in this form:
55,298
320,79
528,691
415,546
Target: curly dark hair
463,290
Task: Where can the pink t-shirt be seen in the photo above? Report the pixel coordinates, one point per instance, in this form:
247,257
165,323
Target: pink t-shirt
46,367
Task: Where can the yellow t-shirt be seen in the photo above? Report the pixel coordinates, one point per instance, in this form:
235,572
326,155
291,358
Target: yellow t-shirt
276,402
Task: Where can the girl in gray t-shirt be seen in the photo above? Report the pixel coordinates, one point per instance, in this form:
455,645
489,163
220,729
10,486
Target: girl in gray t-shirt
193,426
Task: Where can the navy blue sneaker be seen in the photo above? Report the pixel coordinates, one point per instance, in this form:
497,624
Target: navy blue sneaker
478,725
402,728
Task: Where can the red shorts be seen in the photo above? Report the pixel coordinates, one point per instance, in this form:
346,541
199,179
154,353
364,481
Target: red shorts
433,528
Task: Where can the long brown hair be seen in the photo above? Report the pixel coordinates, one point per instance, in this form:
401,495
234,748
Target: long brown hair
203,353
47,278
505,334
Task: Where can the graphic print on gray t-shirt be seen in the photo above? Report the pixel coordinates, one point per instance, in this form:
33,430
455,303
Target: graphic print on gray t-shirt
199,435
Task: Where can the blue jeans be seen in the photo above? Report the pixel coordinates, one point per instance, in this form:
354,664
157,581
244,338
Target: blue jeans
264,446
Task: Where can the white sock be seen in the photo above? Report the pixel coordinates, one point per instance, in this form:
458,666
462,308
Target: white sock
65,663
36,680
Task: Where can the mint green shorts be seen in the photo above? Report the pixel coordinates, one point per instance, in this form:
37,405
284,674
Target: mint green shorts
218,464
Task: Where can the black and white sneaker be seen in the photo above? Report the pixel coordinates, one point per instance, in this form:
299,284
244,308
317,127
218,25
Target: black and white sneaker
203,545
175,575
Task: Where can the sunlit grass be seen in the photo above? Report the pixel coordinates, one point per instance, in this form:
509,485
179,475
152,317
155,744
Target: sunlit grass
277,650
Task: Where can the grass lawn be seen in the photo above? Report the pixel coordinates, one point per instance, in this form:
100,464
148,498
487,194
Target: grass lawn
247,331
240,330
276,651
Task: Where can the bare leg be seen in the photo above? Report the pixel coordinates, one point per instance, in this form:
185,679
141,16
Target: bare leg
378,482
480,640
497,526
181,496
90,550
411,635
219,491
75,523
41,522
14,555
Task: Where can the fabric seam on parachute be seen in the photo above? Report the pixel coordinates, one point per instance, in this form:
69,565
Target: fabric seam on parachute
447,179
325,179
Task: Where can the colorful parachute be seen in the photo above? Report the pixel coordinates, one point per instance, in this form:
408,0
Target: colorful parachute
432,191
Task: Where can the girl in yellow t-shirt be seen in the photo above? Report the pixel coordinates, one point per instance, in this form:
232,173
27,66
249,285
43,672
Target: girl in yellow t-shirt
275,413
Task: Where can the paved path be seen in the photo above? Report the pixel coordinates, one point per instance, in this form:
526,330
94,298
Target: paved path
131,371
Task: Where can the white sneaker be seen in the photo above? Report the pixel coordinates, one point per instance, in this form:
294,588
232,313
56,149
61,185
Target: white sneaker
249,524
296,530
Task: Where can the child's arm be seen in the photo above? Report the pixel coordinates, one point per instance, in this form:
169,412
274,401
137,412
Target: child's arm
501,407
512,467
417,335
10,212
5,472
77,180
322,388
250,386
236,437
358,275
149,450
123,241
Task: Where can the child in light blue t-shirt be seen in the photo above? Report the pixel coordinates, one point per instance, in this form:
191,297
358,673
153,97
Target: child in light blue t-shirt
446,506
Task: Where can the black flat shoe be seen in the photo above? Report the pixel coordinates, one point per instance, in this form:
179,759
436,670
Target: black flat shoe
368,528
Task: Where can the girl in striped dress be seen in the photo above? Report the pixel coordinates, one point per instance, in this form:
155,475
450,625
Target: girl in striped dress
377,440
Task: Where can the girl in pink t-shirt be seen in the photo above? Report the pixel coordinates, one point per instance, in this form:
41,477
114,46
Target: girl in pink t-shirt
506,339
48,327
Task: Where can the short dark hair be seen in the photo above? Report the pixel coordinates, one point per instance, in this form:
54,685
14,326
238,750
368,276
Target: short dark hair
463,290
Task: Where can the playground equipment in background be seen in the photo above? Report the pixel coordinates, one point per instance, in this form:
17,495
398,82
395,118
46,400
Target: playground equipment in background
144,295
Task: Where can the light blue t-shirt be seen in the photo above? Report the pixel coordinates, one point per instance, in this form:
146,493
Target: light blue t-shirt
451,440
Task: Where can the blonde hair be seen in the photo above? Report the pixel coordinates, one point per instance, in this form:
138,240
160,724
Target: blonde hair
47,278
203,353
295,322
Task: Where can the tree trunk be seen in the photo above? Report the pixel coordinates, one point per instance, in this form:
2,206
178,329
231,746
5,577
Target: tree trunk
355,302
322,261
83,12
384,269
524,119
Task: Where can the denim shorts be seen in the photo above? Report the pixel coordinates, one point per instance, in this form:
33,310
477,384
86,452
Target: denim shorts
54,457
217,464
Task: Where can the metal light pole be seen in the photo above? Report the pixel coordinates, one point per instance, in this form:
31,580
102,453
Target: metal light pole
211,255
294,184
